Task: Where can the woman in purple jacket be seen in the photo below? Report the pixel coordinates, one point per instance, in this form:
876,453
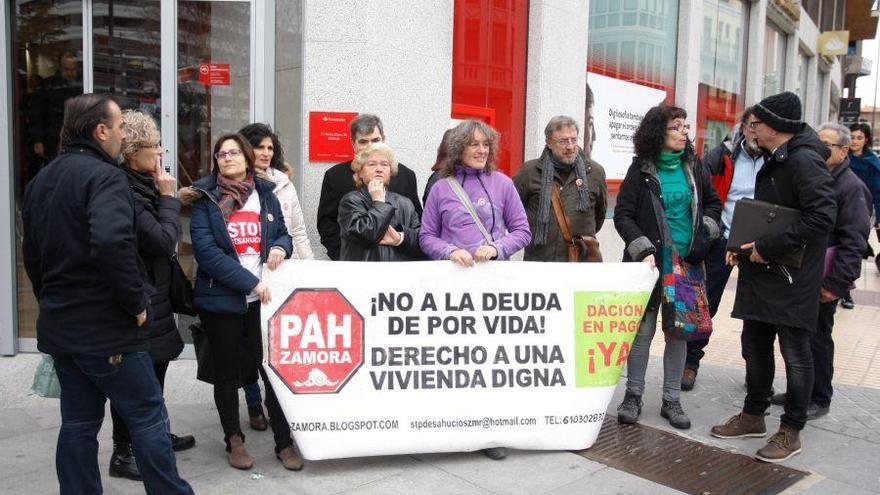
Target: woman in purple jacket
448,228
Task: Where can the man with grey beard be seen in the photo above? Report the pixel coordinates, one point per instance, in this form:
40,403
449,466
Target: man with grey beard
733,166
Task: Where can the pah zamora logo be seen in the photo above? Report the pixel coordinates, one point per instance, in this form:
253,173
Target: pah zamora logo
316,341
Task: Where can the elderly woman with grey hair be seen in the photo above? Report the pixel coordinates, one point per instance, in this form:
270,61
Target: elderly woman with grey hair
157,224
376,224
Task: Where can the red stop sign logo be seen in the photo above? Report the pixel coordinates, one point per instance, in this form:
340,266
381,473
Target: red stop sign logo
316,341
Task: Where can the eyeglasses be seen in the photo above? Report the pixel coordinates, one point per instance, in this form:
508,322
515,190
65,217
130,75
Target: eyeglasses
221,155
832,145
679,127
754,124
564,141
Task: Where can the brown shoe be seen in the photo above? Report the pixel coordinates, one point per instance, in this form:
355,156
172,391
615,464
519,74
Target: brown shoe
688,378
740,426
290,458
238,456
257,418
781,446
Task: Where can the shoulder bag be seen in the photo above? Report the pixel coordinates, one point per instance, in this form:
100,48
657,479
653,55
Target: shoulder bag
581,248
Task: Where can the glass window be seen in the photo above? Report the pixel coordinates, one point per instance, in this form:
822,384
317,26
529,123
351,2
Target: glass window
288,78
722,56
647,48
46,57
803,70
774,60
127,51
489,71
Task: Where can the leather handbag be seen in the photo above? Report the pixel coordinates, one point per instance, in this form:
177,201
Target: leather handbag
204,357
753,219
181,291
584,248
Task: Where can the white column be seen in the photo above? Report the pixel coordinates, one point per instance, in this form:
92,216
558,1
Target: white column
8,291
263,61
755,52
168,30
557,67
387,58
687,60
813,95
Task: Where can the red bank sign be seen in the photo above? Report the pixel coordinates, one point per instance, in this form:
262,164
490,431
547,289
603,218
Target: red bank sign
316,341
329,136
214,74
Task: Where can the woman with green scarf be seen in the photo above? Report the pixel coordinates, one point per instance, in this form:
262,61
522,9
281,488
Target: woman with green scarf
667,214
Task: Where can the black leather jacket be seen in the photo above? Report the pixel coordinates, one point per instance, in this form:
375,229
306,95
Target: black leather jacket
363,222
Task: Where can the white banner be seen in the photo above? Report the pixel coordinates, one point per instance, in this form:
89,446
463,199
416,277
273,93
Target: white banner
618,109
398,358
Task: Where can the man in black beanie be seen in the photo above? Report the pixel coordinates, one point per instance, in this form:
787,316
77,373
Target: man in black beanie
773,299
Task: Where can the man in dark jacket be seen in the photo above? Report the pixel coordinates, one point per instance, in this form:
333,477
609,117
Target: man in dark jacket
774,299
366,129
582,192
733,166
843,264
80,252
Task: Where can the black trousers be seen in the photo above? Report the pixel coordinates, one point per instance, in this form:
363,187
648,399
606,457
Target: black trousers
822,347
237,346
717,274
120,429
757,348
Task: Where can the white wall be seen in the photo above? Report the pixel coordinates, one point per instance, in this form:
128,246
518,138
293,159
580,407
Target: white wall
557,67
385,57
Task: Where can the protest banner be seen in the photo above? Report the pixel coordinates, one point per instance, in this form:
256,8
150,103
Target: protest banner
398,358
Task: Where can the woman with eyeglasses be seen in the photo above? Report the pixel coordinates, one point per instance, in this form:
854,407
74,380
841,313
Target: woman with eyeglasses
269,160
237,225
667,214
157,224
865,163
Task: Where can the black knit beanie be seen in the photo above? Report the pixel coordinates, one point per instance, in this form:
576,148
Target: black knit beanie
781,112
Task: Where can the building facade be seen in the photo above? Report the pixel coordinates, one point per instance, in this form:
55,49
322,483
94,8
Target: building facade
206,67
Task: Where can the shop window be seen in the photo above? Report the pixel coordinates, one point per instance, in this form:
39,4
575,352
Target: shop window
288,79
489,70
774,60
722,57
47,69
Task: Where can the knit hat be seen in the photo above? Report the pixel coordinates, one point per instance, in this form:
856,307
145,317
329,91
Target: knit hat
781,112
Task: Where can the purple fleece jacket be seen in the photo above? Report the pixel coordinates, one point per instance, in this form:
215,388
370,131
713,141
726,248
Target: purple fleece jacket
447,225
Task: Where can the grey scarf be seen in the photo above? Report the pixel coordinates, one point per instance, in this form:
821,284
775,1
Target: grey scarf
549,166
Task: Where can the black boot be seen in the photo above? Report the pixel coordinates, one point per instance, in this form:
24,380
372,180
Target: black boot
122,463
182,443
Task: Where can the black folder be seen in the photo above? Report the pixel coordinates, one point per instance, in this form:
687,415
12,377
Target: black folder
753,219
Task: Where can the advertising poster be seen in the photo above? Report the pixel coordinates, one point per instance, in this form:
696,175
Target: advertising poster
398,358
617,110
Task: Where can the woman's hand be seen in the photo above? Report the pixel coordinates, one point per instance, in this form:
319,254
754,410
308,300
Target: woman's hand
485,253
462,257
262,291
649,259
276,256
391,237
376,188
166,182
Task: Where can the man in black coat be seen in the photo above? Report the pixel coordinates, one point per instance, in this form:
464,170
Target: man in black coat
778,300
843,264
366,129
80,252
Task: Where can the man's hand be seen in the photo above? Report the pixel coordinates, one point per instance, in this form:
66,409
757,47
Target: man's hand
649,259
755,257
826,296
485,253
262,291
462,257
276,256
141,318
731,258
376,188
391,237
39,150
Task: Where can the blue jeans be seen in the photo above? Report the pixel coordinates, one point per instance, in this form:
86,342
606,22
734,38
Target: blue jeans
252,394
131,385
